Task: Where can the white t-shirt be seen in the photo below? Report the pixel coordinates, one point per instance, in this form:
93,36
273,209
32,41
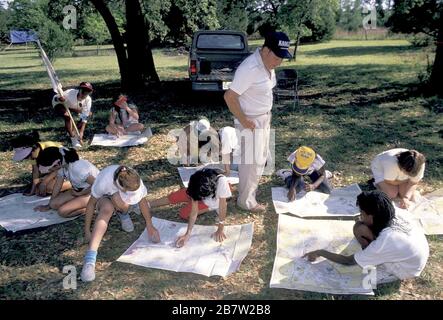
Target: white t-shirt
254,83
385,167
104,185
78,172
315,166
222,191
71,101
229,140
402,254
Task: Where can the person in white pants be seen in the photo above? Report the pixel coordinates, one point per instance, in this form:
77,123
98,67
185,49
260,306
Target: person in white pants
250,99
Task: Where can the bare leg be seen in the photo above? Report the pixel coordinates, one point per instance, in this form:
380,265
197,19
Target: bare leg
74,207
390,190
135,127
61,199
363,234
114,129
106,209
159,202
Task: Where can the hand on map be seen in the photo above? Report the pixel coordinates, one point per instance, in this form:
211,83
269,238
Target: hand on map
404,203
181,241
313,255
291,194
219,235
42,208
153,234
309,187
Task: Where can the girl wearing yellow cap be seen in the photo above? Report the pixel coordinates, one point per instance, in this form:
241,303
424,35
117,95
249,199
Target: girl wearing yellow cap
305,162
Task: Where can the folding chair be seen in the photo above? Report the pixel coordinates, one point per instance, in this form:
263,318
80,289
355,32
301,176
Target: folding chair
287,86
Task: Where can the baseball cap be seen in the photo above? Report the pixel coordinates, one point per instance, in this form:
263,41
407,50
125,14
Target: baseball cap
279,43
121,100
21,153
304,157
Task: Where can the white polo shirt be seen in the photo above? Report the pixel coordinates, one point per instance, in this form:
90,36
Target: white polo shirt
71,101
254,83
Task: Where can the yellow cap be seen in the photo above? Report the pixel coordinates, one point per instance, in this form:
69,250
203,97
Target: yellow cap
304,157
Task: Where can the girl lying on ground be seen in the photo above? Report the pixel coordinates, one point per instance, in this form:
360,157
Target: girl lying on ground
208,190
123,117
115,190
390,242
80,173
27,148
397,173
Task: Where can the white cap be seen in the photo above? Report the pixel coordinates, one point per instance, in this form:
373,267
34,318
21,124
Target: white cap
203,124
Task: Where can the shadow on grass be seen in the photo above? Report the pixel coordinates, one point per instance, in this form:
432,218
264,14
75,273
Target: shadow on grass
362,50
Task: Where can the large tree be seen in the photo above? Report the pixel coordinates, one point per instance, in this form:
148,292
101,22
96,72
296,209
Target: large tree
422,16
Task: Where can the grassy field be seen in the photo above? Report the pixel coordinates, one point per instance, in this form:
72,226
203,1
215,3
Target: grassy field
357,98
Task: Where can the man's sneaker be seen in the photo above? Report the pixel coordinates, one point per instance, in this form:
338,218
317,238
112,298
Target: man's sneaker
88,272
284,173
126,221
328,174
75,143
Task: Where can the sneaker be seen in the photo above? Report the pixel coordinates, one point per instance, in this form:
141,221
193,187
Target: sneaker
88,272
328,174
75,143
284,173
126,221
135,208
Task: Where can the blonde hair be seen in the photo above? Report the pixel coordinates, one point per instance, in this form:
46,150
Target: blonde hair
127,177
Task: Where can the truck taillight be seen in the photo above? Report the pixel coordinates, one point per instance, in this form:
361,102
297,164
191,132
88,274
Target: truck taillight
193,67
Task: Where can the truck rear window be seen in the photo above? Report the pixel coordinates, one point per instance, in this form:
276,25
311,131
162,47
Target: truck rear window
220,41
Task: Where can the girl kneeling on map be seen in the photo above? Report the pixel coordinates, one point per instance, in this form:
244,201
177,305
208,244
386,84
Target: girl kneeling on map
69,167
305,162
389,240
397,173
207,190
123,117
115,189
27,148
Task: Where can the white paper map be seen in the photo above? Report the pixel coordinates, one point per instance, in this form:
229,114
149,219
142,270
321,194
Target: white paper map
108,140
340,203
201,254
428,211
17,213
186,173
297,237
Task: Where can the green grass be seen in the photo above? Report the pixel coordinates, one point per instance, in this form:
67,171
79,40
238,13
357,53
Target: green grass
357,98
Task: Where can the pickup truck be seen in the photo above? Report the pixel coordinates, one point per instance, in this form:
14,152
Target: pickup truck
213,58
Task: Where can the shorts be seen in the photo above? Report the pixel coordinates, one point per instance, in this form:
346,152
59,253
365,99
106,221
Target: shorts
181,196
60,110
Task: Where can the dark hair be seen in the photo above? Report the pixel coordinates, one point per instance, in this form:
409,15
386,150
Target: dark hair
411,161
203,184
26,140
47,156
127,177
378,205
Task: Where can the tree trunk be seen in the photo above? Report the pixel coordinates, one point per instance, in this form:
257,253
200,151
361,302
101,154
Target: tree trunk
437,69
140,59
117,40
296,44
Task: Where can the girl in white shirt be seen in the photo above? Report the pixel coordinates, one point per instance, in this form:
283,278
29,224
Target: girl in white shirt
123,117
80,173
207,190
390,241
397,173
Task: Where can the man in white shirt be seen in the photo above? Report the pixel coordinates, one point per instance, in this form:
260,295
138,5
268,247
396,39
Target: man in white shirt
79,101
250,99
